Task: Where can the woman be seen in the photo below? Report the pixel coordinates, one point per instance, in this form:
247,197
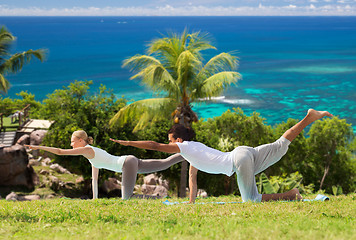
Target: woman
245,161
128,165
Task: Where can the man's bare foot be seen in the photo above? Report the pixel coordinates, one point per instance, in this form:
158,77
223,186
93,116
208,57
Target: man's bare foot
295,195
316,115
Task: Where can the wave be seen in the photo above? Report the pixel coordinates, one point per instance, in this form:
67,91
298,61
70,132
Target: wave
232,101
21,85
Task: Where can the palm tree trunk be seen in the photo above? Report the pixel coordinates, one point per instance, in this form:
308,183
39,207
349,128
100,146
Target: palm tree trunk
326,171
183,179
184,115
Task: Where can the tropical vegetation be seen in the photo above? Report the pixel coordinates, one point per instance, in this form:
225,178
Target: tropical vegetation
174,68
322,147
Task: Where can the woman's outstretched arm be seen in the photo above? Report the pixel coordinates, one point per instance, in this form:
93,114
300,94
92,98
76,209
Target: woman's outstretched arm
87,152
150,145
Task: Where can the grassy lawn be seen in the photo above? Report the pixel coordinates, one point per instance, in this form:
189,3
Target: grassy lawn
150,219
10,126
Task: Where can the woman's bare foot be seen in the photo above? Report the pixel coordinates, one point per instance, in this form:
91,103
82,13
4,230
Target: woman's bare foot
316,115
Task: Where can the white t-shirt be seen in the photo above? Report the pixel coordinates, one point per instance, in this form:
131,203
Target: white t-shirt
103,159
206,159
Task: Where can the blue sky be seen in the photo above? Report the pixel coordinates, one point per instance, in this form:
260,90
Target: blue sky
177,7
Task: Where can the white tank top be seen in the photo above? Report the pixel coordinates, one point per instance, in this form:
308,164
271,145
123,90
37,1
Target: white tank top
103,159
206,159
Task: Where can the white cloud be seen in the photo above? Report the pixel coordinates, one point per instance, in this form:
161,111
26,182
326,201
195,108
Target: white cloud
168,10
313,1
291,6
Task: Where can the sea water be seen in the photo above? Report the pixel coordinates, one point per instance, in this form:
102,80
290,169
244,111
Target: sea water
288,64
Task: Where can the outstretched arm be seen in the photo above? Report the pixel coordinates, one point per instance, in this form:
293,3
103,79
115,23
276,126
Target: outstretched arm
193,185
87,152
150,145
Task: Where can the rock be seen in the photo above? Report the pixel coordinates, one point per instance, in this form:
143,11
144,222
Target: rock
202,193
59,169
150,179
54,183
160,191
44,172
12,197
30,197
111,184
50,196
14,167
24,139
46,162
154,186
36,137
163,183
69,185
33,162
79,180
148,189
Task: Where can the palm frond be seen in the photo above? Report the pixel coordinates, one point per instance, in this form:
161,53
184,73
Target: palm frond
215,85
144,112
218,63
187,65
198,42
4,84
139,62
152,73
16,62
6,38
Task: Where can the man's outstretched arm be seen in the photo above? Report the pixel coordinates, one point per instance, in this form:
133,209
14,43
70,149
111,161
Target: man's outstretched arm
150,145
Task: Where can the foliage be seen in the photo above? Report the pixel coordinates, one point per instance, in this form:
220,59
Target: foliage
73,108
150,219
282,183
173,67
9,106
13,63
332,155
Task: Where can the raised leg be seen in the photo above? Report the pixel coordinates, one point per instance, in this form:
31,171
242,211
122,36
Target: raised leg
311,116
155,165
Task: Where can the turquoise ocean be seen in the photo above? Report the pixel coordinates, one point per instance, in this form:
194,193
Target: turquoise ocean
288,64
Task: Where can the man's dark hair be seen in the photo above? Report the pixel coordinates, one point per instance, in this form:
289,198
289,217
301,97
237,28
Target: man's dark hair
179,131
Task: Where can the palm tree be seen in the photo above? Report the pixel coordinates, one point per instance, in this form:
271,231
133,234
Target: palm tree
173,67
13,63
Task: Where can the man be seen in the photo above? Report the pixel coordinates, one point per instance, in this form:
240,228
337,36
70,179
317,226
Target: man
245,161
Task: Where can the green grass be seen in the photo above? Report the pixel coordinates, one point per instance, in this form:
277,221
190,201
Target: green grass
10,126
150,219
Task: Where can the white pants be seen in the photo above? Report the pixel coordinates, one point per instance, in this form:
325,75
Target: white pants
250,161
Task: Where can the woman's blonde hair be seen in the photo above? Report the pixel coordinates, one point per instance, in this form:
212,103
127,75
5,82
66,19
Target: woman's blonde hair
83,135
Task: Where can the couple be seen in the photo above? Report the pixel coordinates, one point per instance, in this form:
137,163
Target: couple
245,161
